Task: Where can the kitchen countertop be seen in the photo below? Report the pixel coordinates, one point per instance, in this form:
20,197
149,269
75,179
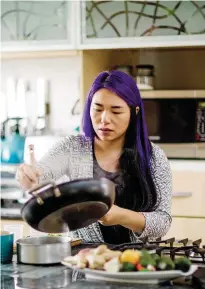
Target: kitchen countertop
18,276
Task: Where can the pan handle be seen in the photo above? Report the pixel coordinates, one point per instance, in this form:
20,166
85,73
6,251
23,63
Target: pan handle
37,189
57,192
38,199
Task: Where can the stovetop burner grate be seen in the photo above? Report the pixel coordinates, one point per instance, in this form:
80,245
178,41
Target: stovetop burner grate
192,250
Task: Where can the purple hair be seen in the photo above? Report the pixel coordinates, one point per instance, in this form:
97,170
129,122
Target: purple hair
124,86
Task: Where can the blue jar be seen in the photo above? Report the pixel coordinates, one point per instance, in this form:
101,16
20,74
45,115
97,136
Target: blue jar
7,241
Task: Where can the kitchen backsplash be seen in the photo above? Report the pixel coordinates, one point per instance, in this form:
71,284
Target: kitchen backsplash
64,77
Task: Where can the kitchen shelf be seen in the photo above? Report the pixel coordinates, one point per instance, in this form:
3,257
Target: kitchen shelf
179,72
149,94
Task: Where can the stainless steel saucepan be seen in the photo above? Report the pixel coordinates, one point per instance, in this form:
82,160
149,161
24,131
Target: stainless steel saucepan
43,250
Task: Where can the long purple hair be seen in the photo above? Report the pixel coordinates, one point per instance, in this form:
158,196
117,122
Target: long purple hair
124,86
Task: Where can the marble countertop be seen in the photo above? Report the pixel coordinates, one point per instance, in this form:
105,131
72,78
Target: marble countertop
18,276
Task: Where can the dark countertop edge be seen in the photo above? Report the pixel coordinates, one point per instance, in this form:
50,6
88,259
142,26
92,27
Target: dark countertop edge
13,217
185,159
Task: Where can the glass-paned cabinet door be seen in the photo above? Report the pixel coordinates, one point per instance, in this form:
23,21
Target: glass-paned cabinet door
108,20
36,21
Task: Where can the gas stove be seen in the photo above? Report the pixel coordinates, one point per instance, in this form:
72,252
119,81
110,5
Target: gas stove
193,250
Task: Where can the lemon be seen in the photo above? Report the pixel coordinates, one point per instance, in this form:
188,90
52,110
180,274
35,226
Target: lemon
130,256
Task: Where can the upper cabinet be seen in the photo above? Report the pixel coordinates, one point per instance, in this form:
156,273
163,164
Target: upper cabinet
132,24
64,25
33,25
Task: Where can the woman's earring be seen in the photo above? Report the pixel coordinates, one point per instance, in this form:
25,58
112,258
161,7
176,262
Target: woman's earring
137,109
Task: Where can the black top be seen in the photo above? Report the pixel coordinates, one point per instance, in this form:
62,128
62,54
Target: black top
110,233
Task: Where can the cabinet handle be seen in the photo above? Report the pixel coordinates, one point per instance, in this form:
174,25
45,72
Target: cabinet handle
182,194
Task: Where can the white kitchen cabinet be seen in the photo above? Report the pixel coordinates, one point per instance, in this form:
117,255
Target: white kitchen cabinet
134,24
188,201
69,25
188,193
191,228
200,151
37,25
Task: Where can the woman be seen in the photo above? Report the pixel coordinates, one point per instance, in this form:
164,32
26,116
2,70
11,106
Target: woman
115,145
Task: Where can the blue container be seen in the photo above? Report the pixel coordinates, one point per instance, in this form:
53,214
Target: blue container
12,146
7,241
12,149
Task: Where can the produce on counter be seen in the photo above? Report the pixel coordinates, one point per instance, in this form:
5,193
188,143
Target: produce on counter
94,258
165,263
130,256
182,264
113,265
128,267
102,258
147,259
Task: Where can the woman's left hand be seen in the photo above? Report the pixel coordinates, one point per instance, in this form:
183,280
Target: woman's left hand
112,217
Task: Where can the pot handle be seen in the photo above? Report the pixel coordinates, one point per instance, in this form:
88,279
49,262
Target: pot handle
37,189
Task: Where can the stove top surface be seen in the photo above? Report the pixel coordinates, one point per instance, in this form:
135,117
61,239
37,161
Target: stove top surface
193,250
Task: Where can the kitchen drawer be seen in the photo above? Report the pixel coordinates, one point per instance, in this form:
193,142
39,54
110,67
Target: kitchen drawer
188,193
190,228
200,150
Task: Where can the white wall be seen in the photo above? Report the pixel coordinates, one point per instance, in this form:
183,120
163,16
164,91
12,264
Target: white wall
64,74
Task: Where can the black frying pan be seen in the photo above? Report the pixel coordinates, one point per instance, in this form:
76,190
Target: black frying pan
68,206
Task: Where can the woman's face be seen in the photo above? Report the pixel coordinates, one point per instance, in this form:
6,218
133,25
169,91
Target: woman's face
110,115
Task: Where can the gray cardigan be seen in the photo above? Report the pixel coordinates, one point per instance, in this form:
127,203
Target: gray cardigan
72,158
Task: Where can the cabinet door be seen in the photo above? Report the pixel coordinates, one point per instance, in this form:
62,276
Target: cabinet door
188,193
142,23
36,23
190,228
200,150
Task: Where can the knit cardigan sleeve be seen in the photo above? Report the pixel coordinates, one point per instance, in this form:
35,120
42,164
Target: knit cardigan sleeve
158,222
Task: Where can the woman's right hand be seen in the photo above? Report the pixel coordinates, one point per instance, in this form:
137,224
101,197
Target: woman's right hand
27,174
